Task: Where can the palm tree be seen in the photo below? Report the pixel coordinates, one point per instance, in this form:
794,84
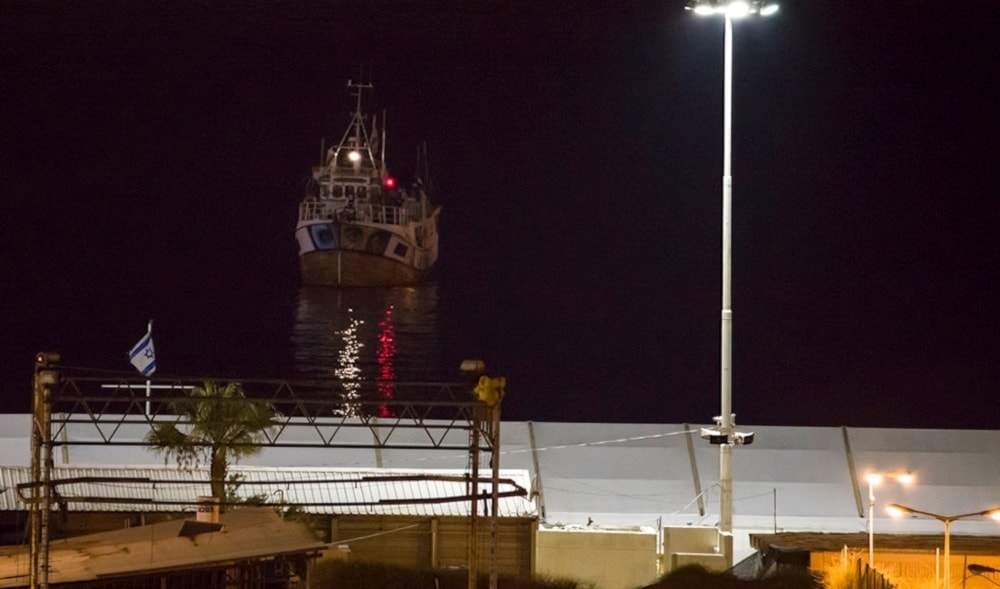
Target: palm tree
218,423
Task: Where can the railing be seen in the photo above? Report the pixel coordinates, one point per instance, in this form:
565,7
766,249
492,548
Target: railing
313,210
865,577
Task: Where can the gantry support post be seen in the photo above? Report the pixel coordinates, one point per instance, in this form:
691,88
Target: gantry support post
46,376
473,555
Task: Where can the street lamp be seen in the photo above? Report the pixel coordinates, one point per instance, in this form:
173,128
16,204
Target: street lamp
898,510
724,434
874,479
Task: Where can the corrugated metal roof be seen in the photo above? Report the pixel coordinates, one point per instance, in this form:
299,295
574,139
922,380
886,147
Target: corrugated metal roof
317,490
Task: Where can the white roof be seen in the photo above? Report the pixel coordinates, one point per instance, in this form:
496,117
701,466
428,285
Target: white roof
789,479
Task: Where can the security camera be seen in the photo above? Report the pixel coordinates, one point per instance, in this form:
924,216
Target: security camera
714,436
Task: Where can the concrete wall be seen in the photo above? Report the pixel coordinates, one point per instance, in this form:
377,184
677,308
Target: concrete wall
690,539
684,545
607,559
414,541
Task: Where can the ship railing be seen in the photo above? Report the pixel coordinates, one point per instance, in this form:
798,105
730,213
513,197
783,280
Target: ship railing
312,210
387,214
343,174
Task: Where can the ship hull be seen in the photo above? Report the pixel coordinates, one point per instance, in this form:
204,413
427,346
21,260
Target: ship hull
352,268
357,254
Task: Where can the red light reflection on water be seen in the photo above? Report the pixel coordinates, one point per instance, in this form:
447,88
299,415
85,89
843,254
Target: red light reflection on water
385,354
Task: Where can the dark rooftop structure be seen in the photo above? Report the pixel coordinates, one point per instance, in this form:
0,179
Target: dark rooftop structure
254,545
821,542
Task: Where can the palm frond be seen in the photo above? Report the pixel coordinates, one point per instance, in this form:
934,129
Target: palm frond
220,423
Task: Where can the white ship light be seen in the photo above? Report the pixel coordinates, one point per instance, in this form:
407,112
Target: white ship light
354,155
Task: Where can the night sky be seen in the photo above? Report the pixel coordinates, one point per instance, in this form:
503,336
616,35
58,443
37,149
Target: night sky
577,150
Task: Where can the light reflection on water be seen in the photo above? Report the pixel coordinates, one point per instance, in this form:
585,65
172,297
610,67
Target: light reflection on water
377,334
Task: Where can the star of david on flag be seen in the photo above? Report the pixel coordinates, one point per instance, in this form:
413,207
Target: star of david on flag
142,355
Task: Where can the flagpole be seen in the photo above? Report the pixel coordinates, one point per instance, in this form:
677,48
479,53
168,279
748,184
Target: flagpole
149,330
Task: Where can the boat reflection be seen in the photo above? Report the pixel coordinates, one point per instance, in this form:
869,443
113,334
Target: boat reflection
354,335
385,354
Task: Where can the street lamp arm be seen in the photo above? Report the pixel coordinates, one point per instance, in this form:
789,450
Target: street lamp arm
905,509
985,512
944,518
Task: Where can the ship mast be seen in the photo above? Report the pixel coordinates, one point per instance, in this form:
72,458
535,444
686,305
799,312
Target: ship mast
356,138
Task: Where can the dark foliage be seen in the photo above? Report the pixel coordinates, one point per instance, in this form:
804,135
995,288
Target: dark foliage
696,577
343,574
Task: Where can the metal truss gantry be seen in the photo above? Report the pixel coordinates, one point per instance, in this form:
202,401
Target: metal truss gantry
310,414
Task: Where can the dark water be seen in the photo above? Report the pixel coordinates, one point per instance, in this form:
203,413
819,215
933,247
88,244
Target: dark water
564,358
289,333
230,321
379,333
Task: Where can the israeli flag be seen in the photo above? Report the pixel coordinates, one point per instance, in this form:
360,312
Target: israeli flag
142,355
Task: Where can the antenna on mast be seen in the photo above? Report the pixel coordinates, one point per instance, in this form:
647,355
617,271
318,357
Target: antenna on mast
382,140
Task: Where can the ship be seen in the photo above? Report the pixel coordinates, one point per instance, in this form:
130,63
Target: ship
358,226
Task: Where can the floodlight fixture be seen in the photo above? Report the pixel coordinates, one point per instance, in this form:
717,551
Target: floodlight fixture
734,9
472,366
875,478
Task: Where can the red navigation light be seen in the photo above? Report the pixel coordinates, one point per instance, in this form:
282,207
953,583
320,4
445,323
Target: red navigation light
389,182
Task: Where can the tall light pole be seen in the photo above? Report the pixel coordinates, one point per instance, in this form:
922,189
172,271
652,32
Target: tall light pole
723,434
875,478
898,510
